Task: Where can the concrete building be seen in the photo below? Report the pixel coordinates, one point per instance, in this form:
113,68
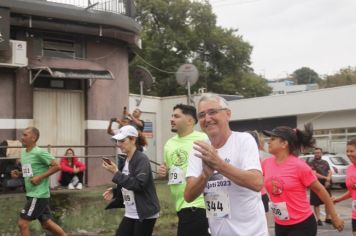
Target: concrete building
64,69
332,112
286,86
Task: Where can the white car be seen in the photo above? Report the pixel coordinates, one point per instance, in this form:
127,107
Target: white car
338,164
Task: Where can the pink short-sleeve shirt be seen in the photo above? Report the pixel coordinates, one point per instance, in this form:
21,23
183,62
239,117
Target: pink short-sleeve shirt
287,184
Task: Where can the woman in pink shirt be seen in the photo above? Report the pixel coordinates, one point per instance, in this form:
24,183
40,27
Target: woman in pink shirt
350,182
287,179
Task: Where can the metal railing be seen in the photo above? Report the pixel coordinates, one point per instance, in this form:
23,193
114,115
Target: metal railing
124,7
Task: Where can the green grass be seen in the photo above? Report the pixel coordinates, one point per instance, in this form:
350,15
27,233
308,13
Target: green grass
82,212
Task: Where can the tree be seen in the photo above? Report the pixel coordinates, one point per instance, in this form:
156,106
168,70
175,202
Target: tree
305,75
180,31
345,76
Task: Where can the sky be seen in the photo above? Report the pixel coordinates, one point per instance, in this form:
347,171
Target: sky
289,34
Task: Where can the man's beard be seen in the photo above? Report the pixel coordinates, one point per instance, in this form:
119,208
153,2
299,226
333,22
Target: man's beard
174,130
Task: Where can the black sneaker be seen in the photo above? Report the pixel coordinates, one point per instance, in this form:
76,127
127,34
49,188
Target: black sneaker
320,223
328,221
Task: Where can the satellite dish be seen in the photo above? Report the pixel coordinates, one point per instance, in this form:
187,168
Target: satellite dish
145,79
187,75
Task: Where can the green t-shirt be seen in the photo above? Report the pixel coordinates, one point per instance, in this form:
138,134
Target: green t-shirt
176,154
34,163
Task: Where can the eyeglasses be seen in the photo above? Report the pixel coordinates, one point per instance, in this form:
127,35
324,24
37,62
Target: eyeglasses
210,112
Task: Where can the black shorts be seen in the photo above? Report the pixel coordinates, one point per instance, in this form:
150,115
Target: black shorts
353,225
36,209
315,200
307,227
192,221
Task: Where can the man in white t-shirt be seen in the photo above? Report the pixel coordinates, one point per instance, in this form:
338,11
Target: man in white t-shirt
228,171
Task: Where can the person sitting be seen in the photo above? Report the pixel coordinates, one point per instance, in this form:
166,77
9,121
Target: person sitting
72,171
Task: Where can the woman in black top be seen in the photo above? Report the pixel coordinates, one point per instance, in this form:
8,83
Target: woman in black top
135,181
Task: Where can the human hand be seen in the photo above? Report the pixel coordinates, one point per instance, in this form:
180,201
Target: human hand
35,180
334,200
207,170
75,169
15,174
208,154
162,170
108,194
112,167
338,223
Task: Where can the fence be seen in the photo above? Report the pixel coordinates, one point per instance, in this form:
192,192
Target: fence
50,148
125,7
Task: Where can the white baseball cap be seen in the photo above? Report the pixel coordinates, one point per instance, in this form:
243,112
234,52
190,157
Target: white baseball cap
126,131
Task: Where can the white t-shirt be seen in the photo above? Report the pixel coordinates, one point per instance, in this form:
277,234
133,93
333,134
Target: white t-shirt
234,210
129,197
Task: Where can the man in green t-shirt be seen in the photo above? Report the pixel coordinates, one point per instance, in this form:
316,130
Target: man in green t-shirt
37,166
191,216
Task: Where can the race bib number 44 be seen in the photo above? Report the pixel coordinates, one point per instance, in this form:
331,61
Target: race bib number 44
217,205
27,170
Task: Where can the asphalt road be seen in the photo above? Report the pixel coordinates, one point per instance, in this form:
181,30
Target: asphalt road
342,208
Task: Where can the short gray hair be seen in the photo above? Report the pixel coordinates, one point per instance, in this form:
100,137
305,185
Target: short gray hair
213,97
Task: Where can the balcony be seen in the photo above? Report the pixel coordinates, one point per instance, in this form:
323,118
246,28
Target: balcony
125,7
98,15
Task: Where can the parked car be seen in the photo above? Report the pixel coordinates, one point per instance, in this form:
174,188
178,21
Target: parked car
338,164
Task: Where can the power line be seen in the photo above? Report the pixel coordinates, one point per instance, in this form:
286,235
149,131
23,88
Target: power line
149,64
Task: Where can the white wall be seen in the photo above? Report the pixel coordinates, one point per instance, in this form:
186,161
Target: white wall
329,120
323,100
163,108
326,108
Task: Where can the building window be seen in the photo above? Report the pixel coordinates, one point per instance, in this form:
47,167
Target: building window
53,47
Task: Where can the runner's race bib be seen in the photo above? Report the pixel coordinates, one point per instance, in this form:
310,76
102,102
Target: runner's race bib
27,170
353,205
280,210
217,205
176,175
128,195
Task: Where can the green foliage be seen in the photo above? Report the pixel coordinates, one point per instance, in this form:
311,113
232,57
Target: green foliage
82,212
181,31
305,75
345,76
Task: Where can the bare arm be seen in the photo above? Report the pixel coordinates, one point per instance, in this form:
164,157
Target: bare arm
251,179
135,120
194,187
319,189
343,197
109,129
53,168
163,171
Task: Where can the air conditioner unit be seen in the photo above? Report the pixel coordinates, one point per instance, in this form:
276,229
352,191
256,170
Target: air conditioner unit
16,56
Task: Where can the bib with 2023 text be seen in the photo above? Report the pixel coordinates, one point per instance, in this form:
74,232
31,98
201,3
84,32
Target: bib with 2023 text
27,170
217,201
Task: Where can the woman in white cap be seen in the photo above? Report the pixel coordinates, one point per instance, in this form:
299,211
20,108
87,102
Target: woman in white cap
135,183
